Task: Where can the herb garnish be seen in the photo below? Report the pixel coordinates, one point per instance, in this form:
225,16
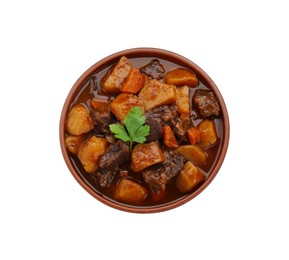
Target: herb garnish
135,130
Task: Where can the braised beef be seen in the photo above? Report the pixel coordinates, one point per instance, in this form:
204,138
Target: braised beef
116,155
159,175
180,126
154,69
156,126
206,103
167,115
102,118
104,180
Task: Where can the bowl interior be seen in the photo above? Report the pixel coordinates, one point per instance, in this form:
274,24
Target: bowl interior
139,53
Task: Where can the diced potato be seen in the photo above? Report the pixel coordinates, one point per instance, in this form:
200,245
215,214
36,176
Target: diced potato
208,133
194,135
129,191
90,153
124,102
73,142
115,77
189,177
183,100
145,155
181,77
133,83
155,93
192,153
78,121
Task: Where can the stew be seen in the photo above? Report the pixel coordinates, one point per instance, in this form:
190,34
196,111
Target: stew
144,131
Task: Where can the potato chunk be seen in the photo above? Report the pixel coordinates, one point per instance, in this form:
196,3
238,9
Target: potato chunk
145,155
189,177
208,133
124,102
155,93
192,153
90,153
181,77
129,191
183,100
73,142
78,120
112,81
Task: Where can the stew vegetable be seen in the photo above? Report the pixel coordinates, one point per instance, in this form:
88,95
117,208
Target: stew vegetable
144,131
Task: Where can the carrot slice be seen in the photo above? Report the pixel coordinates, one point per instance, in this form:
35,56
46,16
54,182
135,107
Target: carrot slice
133,83
194,135
169,137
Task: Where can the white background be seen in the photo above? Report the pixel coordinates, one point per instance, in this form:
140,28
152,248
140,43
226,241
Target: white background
47,45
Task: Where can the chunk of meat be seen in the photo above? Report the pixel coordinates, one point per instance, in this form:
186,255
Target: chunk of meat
155,93
159,175
102,118
190,177
168,115
206,103
78,121
181,77
154,69
180,126
123,103
116,155
129,191
113,80
156,126
90,153
145,155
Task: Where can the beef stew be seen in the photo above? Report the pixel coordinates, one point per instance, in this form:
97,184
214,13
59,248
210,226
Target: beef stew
175,153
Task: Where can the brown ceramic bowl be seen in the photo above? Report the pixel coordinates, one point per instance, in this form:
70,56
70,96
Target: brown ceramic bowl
139,53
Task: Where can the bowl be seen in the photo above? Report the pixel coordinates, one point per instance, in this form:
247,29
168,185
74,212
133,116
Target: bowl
138,54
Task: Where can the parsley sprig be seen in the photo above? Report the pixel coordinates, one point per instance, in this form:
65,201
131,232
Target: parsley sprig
134,129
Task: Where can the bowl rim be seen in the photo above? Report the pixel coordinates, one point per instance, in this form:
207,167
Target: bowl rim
137,53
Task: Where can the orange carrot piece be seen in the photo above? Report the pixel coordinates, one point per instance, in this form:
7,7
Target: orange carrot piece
194,135
169,137
133,83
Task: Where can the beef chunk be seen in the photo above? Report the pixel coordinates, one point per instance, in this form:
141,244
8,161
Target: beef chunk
102,118
154,69
156,126
180,126
104,180
206,103
109,163
157,118
167,115
157,176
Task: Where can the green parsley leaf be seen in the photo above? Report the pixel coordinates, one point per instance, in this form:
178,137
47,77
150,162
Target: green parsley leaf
119,132
134,130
